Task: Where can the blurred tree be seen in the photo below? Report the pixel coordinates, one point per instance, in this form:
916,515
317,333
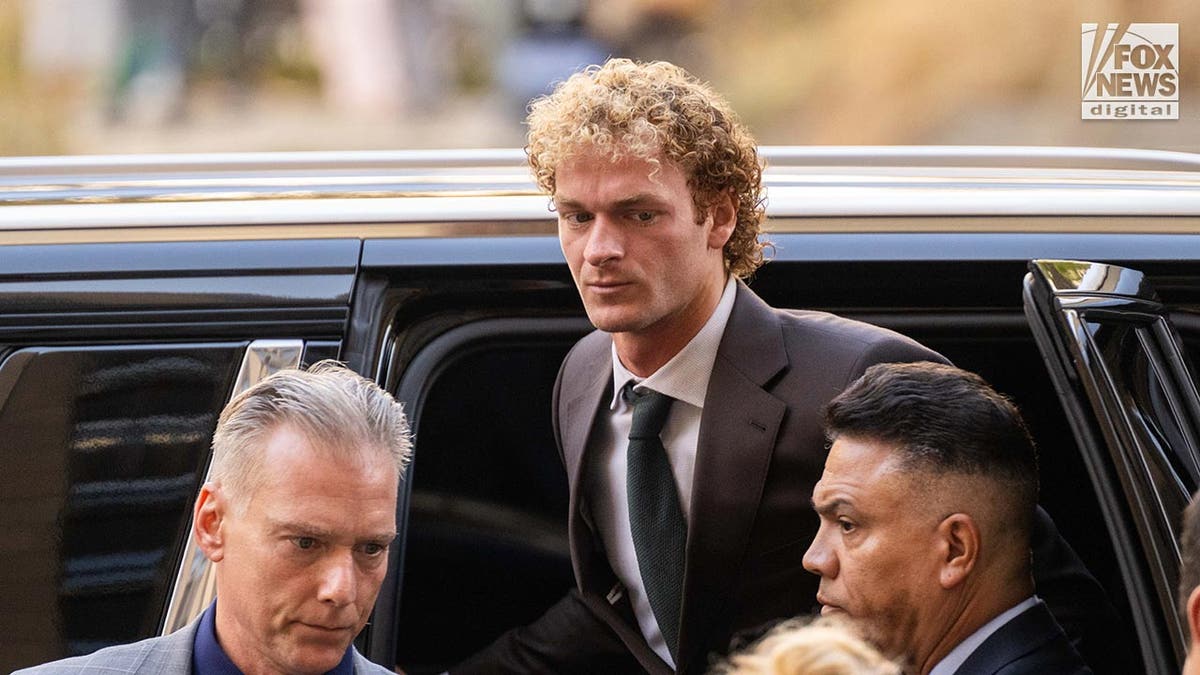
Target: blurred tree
862,72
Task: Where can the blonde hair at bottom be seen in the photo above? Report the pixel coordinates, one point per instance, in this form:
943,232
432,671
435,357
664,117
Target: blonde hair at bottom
809,647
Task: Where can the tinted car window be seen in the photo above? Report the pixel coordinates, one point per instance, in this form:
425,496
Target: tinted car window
101,451
1165,470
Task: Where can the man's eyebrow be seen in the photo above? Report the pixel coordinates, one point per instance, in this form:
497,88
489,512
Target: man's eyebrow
642,198
302,529
624,202
829,507
305,530
565,201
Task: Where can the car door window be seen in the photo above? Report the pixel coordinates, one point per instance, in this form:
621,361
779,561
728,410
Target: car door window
101,451
1131,399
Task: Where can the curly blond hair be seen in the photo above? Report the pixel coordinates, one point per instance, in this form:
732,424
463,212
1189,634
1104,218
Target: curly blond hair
798,647
652,110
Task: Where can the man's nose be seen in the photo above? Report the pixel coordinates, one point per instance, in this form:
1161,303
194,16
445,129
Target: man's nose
337,584
819,558
604,242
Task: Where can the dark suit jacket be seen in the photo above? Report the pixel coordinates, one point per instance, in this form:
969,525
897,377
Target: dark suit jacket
1032,643
760,451
757,460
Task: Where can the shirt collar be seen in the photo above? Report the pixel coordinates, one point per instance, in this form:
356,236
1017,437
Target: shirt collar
957,656
685,376
208,658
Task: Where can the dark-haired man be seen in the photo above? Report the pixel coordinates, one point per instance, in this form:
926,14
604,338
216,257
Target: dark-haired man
927,504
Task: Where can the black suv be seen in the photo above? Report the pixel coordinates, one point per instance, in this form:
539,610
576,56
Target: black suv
138,294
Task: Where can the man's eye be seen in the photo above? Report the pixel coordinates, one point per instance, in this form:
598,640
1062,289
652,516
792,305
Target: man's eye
847,526
577,218
644,216
304,543
374,549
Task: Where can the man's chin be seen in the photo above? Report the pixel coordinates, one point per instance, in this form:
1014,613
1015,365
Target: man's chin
314,650
315,659
610,321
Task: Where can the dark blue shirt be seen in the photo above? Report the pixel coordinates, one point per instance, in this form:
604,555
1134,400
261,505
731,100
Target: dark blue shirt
209,659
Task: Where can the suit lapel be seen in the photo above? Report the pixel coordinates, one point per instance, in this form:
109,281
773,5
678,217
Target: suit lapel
585,383
737,437
1026,633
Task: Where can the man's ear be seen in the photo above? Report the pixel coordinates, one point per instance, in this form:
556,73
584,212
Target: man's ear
1193,616
723,212
958,548
207,519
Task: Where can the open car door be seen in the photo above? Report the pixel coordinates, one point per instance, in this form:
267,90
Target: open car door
1130,395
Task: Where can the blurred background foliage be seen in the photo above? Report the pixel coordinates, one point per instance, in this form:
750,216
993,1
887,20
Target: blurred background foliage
124,76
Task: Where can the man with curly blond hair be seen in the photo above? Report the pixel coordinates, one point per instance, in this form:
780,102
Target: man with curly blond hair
690,421
655,112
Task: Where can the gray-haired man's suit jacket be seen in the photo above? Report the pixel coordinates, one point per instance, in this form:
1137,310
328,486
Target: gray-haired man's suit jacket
169,654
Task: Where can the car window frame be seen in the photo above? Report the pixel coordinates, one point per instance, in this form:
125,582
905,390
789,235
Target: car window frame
1059,308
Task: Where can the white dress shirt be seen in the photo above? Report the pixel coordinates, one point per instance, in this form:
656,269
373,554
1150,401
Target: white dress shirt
685,379
963,650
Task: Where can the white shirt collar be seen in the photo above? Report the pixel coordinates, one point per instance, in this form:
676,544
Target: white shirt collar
685,377
957,656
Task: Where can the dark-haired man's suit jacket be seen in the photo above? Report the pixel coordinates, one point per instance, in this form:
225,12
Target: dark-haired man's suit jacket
1032,643
760,451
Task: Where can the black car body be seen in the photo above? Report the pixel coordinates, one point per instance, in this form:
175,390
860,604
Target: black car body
138,294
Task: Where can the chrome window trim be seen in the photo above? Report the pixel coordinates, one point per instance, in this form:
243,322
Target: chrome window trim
372,188
816,199
195,581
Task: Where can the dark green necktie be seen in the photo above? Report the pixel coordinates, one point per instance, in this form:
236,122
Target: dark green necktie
655,517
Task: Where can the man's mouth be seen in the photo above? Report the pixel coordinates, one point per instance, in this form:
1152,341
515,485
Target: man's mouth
606,286
326,628
828,607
